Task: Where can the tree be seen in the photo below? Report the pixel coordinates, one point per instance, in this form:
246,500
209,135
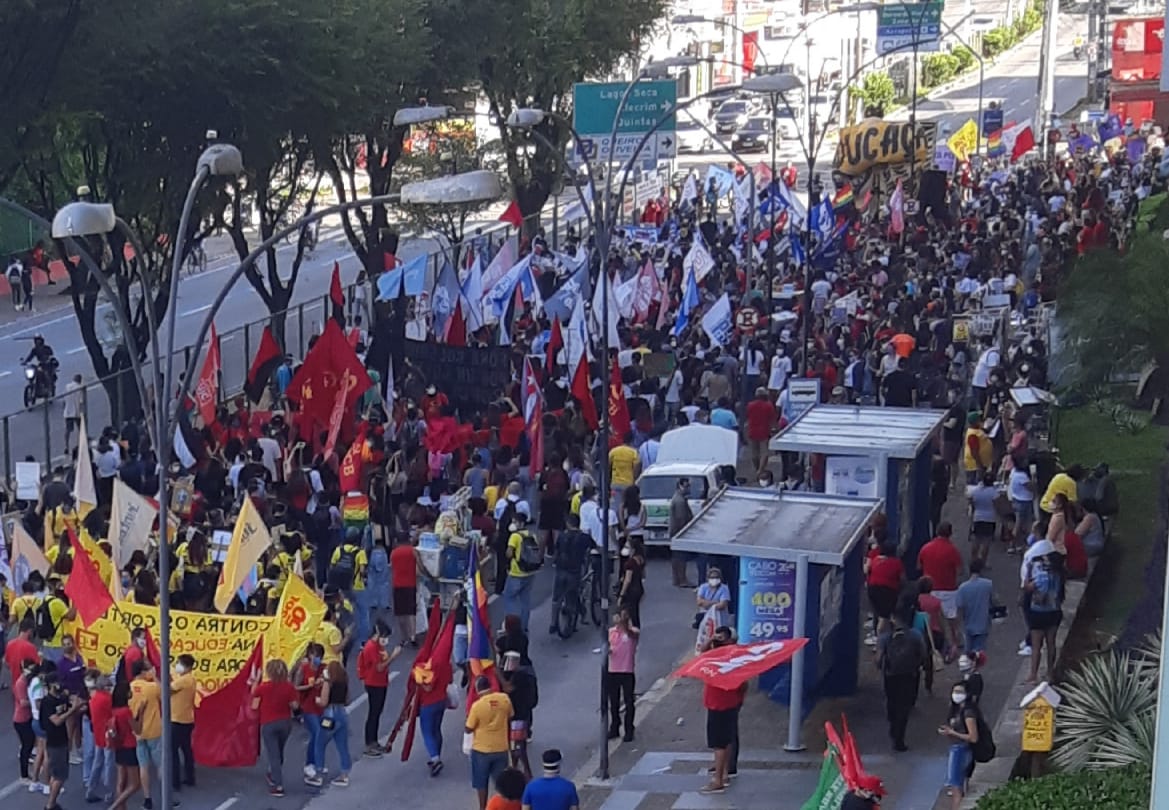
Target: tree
534,51
876,93
448,148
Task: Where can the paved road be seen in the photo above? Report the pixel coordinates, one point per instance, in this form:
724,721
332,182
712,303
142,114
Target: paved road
567,718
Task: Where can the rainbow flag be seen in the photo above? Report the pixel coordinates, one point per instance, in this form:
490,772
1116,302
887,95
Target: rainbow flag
994,144
843,197
480,654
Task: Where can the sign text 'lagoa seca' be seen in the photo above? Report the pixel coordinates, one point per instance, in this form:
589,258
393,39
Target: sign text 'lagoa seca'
874,142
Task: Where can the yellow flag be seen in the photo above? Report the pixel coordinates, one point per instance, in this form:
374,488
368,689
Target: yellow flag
297,619
84,490
249,541
964,142
26,556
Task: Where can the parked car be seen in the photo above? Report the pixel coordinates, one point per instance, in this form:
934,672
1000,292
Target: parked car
692,137
787,122
731,115
755,135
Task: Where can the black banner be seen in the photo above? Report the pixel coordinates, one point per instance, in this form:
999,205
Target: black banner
470,377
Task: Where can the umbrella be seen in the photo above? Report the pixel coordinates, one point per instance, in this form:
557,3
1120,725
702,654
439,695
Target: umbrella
731,666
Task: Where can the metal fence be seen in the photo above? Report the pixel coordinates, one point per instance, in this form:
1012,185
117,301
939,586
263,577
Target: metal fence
39,433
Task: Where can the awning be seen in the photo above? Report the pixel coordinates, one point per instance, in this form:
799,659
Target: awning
845,430
773,525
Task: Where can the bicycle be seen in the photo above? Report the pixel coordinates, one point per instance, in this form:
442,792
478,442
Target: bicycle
196,260
577,605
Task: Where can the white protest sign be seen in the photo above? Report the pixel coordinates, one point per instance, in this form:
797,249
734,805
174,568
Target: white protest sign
698,261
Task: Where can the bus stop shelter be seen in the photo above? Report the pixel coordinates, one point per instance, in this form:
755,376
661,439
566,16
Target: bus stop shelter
874,452
799,558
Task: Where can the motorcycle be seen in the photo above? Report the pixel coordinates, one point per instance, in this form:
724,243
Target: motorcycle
1078,51
40,381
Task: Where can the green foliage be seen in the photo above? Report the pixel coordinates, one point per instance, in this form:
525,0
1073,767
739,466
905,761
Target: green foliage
1109,711
876,91
1117,307
938,68
1117,789
1031,20
997,40
966,58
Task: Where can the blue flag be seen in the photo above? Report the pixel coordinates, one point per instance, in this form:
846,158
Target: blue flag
442,301
389,284
797,246
1111,127
562,302
690,301
414,275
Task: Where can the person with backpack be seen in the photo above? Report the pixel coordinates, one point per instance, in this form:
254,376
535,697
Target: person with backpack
525,557
572,554
901,657
1043,592
505,516
961,728
13,273
51,616
347,565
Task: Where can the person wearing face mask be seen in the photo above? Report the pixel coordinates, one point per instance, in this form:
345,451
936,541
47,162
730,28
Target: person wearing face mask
182,721
22,713
766,479
632,586
961,729
57,707
146,708
714,593
373,670
276,699
308,679
132,655
98,769
722,722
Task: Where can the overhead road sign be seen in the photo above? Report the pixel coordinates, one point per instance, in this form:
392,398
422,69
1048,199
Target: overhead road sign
900,25
594,111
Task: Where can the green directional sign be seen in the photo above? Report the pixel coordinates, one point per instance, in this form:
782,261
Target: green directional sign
594,107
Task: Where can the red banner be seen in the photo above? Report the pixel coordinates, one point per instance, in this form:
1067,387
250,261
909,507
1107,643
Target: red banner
1136,49
731,666
207,389
227,728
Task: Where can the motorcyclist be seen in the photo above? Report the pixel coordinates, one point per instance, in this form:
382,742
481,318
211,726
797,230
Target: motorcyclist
46,362
1078,46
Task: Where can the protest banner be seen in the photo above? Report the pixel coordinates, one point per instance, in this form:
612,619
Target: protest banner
874,142
467,375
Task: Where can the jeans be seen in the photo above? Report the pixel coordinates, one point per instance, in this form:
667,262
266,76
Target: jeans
338,734
975,642
101,781
28,741
430,722
88,749
361,601
517,598
312,724
275,736
377,702
180,748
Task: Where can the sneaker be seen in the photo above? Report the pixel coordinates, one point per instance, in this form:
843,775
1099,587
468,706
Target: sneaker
712,787
35,787
278,792
268,778
436,767
45,789
314,781
93,799
75,758
341,781
309,770
1025,651
374,751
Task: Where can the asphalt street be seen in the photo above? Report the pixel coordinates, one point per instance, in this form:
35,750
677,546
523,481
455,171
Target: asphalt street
567,718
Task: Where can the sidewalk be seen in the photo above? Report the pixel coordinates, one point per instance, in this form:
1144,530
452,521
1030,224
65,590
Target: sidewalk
666,766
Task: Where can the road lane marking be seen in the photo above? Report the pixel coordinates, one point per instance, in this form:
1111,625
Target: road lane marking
224,805
195,311
5,373
364,698
78,350
11,788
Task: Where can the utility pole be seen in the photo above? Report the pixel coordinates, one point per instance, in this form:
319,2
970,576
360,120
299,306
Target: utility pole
1093,36
1046,90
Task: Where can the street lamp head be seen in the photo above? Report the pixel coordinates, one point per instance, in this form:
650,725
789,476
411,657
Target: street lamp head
526,118
469,187
662,67
779,83
408,116
221,160
690,19
84,219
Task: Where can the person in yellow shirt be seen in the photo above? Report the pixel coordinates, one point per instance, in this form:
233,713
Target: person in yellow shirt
347,565
524,559
61,613
488,723
1063,483
624,465
24,605
60,557
977,450
182,720
146,714
292,546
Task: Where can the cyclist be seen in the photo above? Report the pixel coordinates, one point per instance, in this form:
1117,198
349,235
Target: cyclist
572,554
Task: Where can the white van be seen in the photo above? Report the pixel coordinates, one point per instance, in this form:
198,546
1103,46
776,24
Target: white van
697,452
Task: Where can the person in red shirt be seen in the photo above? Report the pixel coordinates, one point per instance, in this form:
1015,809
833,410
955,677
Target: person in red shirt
941,561
885,576
100,785
275,698
308,680
432,704
373,669
433,403
120,734
722,722
761,418
20,649
404,567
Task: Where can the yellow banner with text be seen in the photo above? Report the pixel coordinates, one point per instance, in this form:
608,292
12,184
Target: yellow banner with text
875,142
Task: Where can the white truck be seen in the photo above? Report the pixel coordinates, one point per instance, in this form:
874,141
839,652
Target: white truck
698,452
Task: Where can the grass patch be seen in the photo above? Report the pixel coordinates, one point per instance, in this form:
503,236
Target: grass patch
1089,437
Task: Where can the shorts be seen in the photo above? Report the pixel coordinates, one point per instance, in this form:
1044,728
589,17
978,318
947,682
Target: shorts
552,514
1044,619
38,729
126,757
956,765
883,600
983,530
949,600
485,767
1024,515
405,601
57,759
721,727
149,752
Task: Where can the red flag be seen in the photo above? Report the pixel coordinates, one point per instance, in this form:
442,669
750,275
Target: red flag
350,472
510,430
227,728
207,389
555,344
268,357
618,407
731,666
337,296
533,417
1024,142
432,666
85,589
315,384
152,653
456,327
336,417
584,393
513,216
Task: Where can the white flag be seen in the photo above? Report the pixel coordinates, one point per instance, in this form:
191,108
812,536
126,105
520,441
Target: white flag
602,285
131,520
717,321
689,189
698,261
84,490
